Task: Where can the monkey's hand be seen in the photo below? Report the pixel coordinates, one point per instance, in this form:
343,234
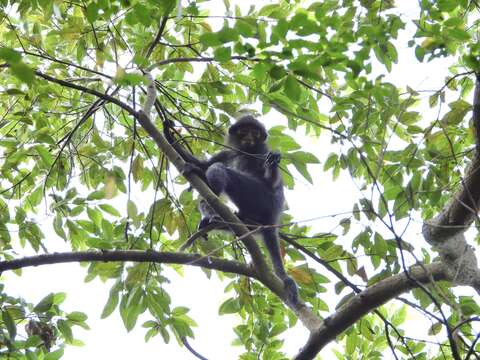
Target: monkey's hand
167,130
273,159
190,168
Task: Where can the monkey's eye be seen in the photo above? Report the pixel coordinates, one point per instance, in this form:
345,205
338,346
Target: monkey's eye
243,131
256,134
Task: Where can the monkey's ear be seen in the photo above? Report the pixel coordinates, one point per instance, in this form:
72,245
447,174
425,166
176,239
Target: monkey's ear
233,129
264,135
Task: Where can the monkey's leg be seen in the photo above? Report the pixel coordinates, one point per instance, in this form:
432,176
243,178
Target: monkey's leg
208,214
270,237
216,177
253,198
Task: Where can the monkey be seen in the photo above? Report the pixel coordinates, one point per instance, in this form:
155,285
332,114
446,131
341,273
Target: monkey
248,173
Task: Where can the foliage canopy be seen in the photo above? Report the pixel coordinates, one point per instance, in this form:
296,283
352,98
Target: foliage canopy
77,166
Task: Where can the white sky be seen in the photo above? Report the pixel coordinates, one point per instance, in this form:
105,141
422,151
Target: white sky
109,339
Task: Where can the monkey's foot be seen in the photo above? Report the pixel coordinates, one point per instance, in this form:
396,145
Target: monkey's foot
291,290
209,220
203,223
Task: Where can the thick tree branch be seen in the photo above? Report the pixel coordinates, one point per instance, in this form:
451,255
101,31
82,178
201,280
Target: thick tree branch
446,231
366,301
209,262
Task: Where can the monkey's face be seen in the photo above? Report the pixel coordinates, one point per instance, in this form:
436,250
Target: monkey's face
249,136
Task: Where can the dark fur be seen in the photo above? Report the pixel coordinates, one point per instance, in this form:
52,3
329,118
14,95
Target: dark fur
249,175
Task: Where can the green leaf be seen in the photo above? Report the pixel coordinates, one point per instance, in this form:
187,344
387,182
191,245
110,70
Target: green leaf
14,92
267,10
54,355
180,310
352,341
277,72
460,108
410,117
142,14
109,209
130,79
245,27
210,39
92,12
131,209
330,162
281,29
435,329
131,315
10,56
292,88
96,195
231,306
20,215
23,72
107,230
222,54
166,6
137,168
228,34
302,169
380,245
77,316
59,298
95,215
112,302
399,316
10,324
45,304
469,306
65,329
58,226
447,5
459,34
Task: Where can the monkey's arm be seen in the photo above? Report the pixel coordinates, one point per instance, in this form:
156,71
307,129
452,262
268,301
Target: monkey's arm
187,156
193,163
272,173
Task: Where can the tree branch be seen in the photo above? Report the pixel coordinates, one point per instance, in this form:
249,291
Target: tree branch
446,231
192,350
369,299
208,262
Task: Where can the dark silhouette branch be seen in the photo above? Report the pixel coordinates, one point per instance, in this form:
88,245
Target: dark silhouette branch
192,350
202,233
155,42
209,262
366,301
